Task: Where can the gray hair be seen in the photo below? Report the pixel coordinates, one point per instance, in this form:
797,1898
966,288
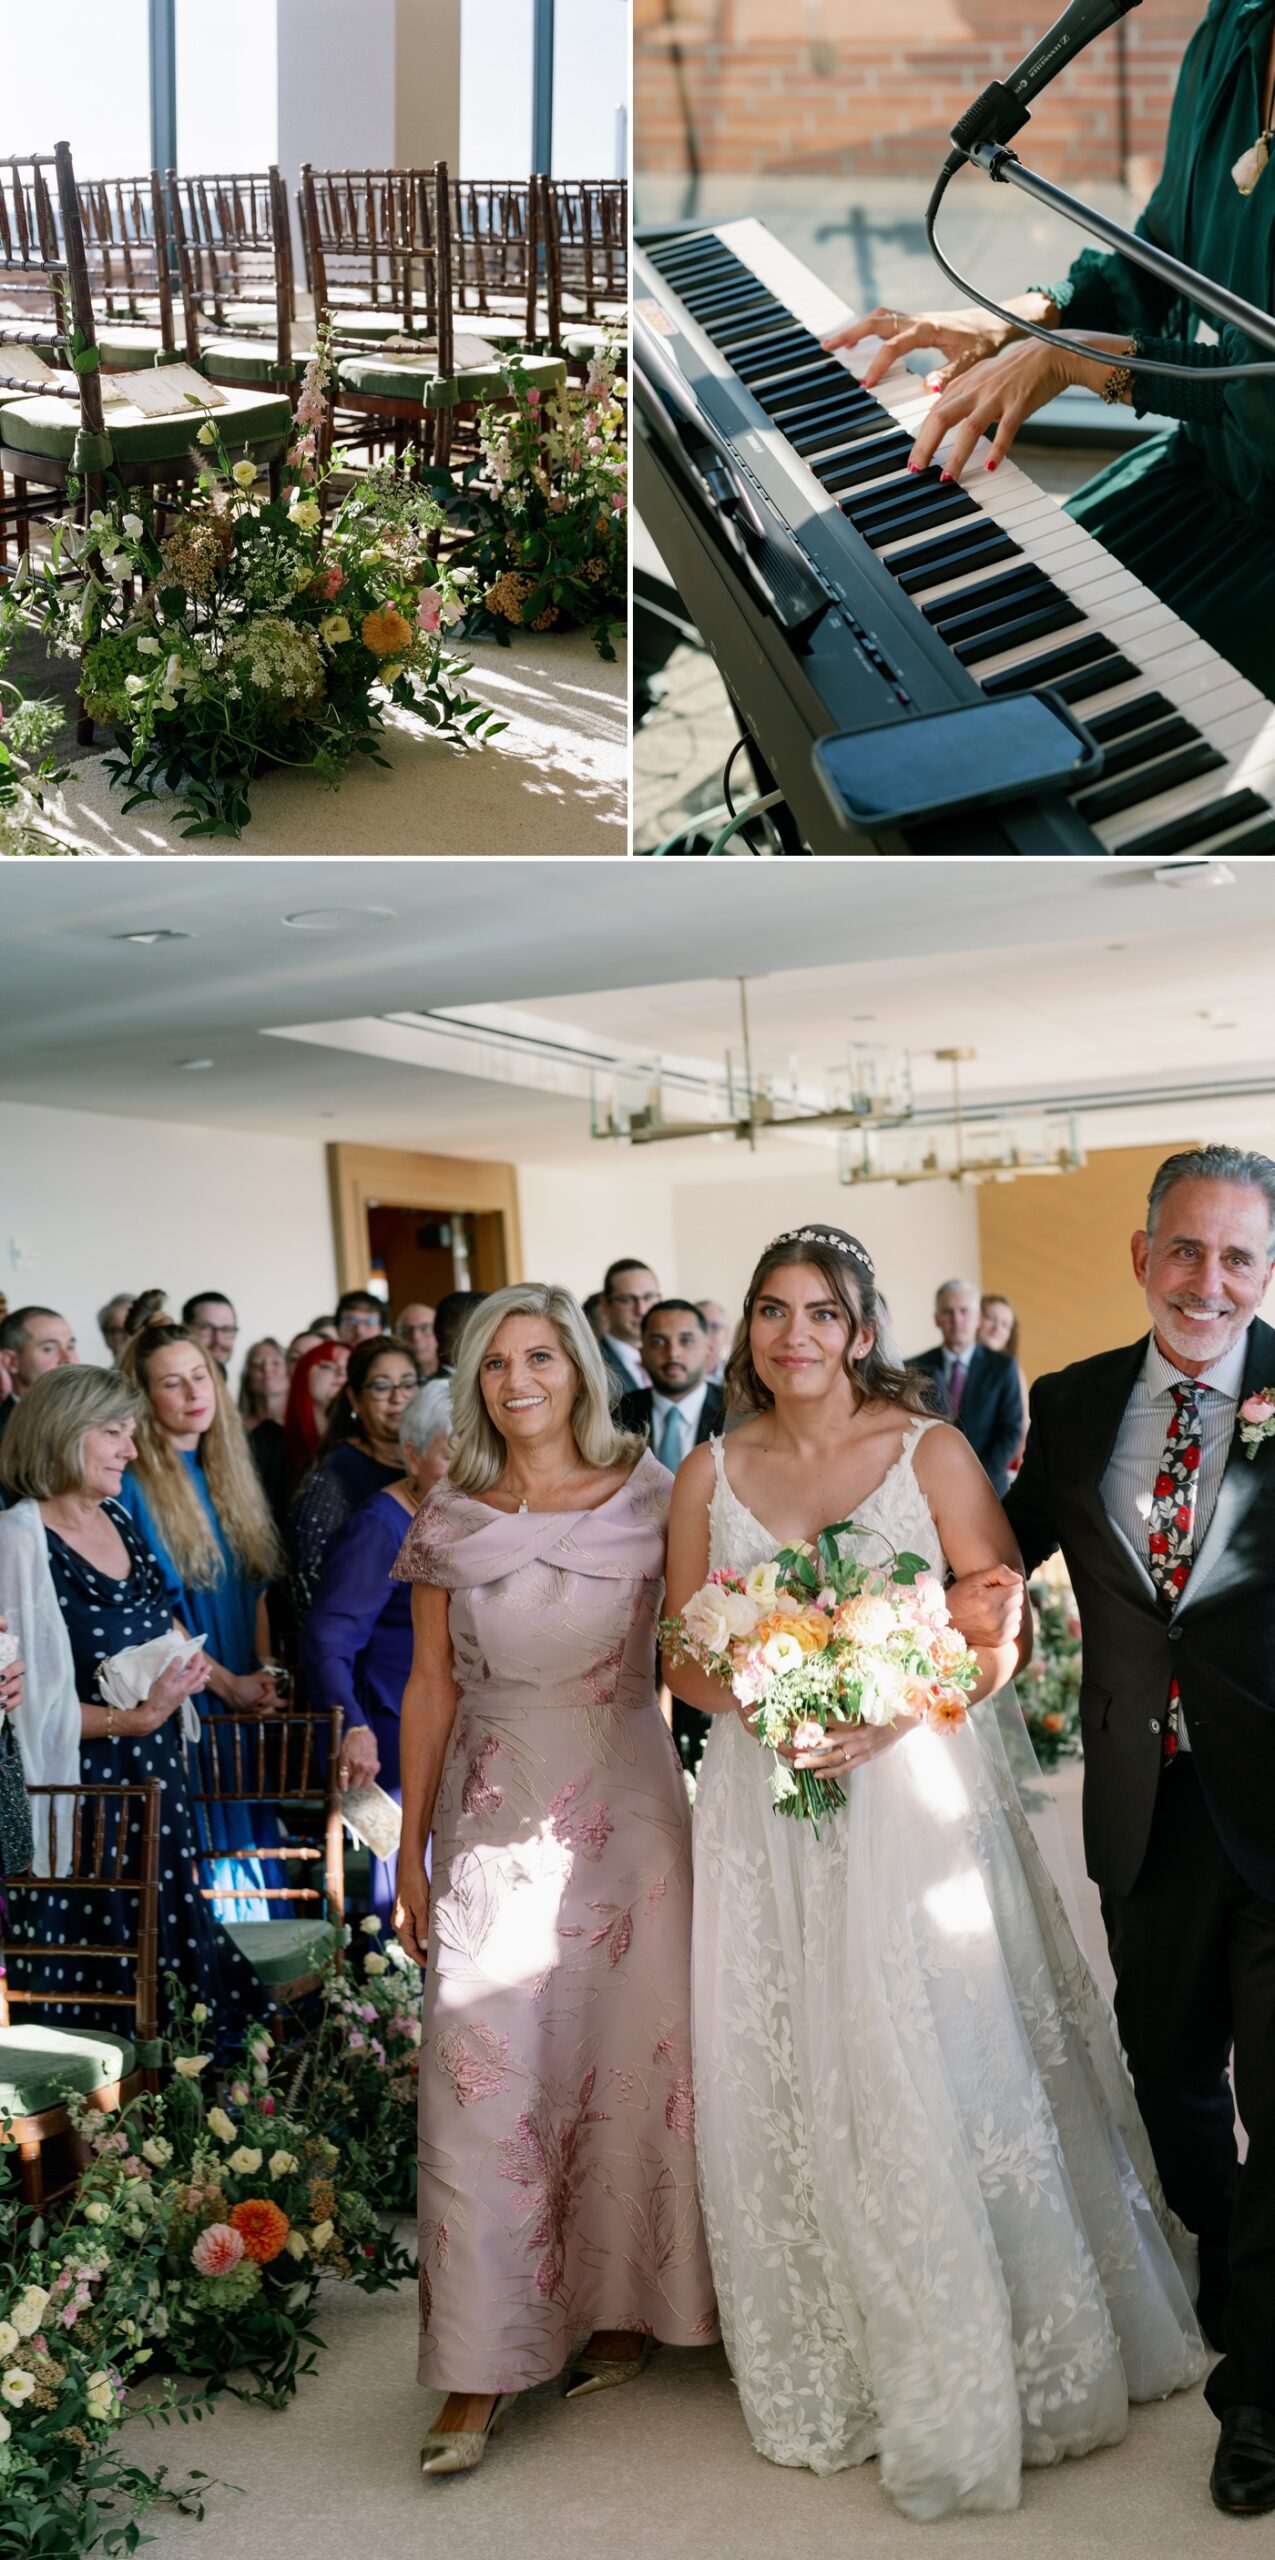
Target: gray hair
125,1298
429,1412
946,1285
479,1449
42,1454
1240,1165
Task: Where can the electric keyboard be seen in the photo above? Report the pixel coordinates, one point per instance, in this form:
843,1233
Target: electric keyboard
838,592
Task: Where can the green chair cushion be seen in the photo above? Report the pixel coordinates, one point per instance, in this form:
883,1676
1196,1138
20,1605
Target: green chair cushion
124,346
406,378
248,360
51,428
250,315
369,322
503,331
281,1951
36,2062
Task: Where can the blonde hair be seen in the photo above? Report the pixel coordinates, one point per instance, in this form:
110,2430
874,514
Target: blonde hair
478,1448
42,1454
233,1483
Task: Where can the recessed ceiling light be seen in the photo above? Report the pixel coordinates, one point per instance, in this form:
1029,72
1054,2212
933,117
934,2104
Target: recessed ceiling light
332,919
193,1063
155,933
1193,871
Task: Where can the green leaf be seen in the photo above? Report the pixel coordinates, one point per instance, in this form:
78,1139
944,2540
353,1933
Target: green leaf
907,1567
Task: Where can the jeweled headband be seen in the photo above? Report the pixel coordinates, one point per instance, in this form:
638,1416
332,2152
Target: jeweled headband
829,1236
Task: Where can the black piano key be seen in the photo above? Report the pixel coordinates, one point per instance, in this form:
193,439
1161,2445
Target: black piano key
1096,679
1179,835
1148,747
1014,632
837,433
974,547
862,427
1055,665
817,379
743,336
896,496
788,356
728,308
1107,799
943,508
1107,726
990,594
990,624
817,420
869,462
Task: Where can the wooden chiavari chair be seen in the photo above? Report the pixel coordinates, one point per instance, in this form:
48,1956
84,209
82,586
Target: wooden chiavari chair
288,1762
125,229
585,229
497,263
114,1848
233,243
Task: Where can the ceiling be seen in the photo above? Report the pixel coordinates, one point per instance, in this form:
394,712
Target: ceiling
1064,976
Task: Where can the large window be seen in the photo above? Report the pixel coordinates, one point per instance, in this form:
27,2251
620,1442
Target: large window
497,83
80,74
590,88
227,85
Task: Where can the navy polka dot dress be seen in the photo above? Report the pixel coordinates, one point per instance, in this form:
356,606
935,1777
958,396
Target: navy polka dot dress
104,1616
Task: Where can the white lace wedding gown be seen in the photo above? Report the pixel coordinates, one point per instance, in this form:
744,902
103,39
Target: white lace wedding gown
936,2231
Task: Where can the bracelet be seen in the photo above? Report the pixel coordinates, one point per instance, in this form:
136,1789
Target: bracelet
112,1730
1117,384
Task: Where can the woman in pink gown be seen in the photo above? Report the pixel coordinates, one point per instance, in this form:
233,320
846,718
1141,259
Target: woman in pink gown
557,2155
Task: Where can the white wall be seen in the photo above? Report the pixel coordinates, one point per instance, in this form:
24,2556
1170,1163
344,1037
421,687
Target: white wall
917,1238
90,1204
336,85
496,88
227,85
575,1221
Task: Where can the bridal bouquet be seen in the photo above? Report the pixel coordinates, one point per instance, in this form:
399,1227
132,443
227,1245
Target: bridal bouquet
813,1639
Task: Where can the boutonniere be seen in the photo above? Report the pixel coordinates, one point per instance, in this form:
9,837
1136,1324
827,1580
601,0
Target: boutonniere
1257,1419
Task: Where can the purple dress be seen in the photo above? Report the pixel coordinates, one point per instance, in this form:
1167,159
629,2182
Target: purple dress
557,2126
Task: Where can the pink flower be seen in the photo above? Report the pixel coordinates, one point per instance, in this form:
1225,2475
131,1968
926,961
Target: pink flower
329,582
267,2106
1258,1408
533,399
239,2092
69,2314
429,612
217,2250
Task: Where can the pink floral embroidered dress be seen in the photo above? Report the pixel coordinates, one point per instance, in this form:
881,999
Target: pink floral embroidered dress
557,2134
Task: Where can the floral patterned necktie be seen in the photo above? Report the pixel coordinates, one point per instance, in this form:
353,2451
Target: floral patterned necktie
1171,1525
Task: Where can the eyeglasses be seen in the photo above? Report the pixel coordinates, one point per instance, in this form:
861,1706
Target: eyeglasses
390,1387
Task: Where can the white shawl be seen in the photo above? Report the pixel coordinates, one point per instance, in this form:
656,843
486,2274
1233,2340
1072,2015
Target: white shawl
48,1724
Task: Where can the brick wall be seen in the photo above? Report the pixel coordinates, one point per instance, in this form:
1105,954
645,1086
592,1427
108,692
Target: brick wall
863,87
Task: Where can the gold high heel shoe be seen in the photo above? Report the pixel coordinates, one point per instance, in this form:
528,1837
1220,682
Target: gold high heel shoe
449,2449
606,2373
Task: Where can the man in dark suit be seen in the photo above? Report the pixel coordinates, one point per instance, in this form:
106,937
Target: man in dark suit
975,1388
679,1409
1139,1468
628,1291
32,1339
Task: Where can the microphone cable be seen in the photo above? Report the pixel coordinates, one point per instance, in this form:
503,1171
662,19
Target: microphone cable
1054,337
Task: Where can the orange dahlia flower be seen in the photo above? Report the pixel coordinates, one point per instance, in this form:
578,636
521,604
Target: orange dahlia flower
262,2227
386,632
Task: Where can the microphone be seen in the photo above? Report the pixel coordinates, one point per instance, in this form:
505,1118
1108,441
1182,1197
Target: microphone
1002,109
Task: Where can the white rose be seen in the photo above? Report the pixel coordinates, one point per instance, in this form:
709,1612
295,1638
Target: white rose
157,2151
740,1612
207,433
319,2239
296,2244
334,628
29,2310
306,514
391,674
95,2212
781,1652
371,1926
245,473
282,2163
189,2065
220,2124
8,2337
148,648
199,2012
376,1964
134,527
18,2386
762,1583
134,684
244,2161
5,2428
704,1620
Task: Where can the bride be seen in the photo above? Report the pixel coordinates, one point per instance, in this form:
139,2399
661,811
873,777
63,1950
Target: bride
935,2227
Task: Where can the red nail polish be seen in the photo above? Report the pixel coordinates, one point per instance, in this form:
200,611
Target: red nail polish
914,466
944,475
991,466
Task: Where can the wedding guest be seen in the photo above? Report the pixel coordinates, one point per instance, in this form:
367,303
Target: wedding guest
32,1340
719,1334
449,1323
317,1380
677,1412
1153,1469
78,1577
325,1327
359,1316
976,1389
303,1341
198,1502
357,1453
112,1321
263,1387
998,1331
629,1288
414,1325
557,2184
356,1644
212,1319
11,1677
594,1309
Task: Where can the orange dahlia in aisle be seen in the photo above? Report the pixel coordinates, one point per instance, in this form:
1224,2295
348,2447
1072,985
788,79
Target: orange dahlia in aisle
262,2227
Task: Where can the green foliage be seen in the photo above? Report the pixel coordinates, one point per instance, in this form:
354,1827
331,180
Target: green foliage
28,727
1049,1688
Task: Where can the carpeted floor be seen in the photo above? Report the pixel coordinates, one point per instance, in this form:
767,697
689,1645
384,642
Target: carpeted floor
554,782
663,2467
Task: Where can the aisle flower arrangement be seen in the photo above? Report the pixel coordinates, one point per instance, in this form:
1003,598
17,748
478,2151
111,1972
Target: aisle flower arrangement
228,634
543,517
1049,1689
28,729
361,2081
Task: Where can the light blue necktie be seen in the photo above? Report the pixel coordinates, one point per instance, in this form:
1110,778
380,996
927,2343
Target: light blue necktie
670,1451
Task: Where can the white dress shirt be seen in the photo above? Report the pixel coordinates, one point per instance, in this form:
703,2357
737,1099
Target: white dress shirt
688,1411
631,1359
1128,1487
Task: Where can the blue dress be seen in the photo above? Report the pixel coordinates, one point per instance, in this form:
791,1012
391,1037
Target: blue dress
356,1644
322,1504
103,1616
225,1613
